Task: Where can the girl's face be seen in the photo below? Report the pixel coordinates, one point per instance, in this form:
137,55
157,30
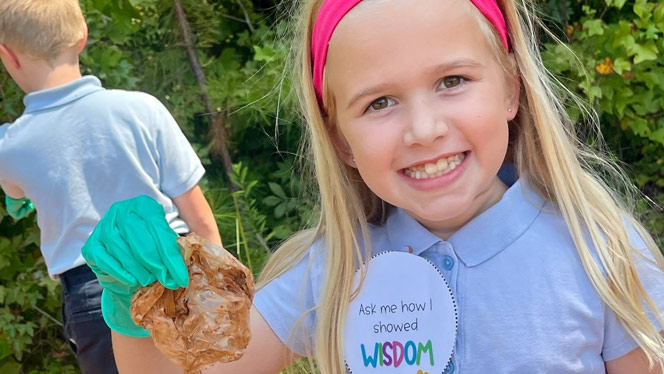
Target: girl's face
422,106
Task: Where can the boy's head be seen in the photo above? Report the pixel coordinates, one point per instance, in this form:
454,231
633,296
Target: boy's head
41,28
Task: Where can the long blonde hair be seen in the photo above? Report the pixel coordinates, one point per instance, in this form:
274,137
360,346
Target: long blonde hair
543,146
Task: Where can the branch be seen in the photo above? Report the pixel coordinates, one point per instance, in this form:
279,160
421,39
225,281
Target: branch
656,115
48,316
233,18
246,16
216,118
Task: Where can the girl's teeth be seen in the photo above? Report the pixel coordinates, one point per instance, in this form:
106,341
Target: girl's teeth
432,170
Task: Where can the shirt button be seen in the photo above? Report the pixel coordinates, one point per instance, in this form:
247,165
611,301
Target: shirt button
450,368
448,262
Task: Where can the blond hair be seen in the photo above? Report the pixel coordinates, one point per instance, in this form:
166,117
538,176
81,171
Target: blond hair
544,147
42,28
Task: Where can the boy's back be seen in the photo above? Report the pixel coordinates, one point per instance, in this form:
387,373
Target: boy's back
78,148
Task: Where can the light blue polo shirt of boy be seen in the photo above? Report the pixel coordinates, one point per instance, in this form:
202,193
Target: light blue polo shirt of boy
78,148
525,303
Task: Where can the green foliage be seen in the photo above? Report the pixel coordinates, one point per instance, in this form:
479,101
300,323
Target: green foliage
29,304
614,58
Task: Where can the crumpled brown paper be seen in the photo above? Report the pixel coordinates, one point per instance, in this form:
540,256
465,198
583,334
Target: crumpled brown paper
208,321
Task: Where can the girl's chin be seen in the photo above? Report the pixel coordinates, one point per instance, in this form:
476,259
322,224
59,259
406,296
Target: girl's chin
439,218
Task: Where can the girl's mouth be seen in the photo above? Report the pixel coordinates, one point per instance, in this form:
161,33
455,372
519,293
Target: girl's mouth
435,169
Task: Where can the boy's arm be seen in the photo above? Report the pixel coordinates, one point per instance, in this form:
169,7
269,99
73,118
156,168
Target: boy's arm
265,354
11,190
17,205
196,212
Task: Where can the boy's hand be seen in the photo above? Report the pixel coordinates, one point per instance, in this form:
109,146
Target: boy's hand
132,246
18,208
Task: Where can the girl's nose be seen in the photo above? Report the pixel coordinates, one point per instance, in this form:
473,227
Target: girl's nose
425,125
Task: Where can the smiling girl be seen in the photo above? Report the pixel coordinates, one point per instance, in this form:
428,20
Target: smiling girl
436,133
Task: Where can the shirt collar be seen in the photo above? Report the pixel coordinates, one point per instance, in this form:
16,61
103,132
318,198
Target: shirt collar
405,233
61,95
480,239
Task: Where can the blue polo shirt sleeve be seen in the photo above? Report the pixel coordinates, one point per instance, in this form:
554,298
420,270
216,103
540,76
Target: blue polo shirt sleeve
180,168
617,341
287,302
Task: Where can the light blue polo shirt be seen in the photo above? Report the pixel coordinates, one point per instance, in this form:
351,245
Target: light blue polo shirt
525,303
78,148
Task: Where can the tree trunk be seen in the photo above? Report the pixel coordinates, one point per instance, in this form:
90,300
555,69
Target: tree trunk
216,117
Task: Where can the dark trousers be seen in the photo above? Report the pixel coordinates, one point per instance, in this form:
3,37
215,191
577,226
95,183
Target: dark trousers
88,335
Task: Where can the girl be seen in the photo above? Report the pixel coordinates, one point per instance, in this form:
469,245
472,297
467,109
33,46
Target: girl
415,111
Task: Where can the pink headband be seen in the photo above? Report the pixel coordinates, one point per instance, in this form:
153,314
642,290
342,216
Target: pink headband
332,11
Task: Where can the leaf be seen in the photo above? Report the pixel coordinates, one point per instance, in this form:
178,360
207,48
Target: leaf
10,367
621,65
266,53
587,10
272,201
658,17
616,3
277,190
643,52
658,135
281,232
280,210
594,27
639,126
4,351
4,244
643,9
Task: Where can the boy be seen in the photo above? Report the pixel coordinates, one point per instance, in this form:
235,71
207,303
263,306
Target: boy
78,148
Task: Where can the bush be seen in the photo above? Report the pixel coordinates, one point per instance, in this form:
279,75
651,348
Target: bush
618,67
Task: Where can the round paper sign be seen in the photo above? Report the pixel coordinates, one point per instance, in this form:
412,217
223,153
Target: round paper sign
404,319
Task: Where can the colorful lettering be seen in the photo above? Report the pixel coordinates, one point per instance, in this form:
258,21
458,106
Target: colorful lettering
398,353
388,359
425,348
370,360
410,344
395,353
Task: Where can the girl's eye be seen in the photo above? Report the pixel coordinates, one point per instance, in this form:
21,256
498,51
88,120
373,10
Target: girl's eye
380,103
451,81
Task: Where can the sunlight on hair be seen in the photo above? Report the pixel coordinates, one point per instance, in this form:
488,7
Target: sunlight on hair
63,19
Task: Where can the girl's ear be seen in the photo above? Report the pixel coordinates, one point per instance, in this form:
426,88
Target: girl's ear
341,146
512,91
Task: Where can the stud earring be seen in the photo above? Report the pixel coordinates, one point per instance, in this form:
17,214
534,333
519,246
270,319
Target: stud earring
509,110
353,159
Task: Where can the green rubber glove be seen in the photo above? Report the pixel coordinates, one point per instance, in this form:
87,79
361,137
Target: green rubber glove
18,208
131,247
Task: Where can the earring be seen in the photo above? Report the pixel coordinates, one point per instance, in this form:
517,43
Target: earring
353,159
509,110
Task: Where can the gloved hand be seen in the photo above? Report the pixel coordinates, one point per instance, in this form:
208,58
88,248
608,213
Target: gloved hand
131,247
18,208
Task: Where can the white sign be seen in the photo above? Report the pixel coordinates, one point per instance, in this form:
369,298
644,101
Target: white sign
404,319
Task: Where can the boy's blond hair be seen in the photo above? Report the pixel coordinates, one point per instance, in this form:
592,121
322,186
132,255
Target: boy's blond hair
42,28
